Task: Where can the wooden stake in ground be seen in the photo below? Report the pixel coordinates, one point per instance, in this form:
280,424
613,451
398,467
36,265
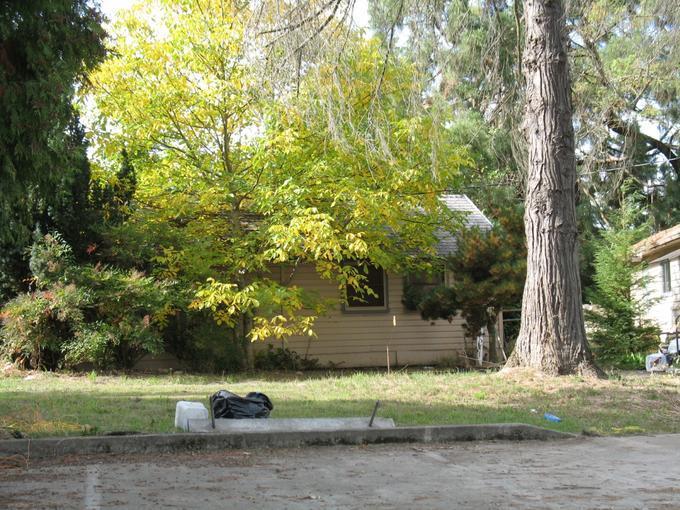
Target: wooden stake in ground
552,336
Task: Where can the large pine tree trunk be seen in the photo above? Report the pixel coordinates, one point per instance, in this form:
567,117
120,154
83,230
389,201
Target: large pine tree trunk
552,335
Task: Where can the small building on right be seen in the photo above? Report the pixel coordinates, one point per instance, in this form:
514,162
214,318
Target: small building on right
661,277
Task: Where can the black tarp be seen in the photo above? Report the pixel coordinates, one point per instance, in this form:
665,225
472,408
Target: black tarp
226,404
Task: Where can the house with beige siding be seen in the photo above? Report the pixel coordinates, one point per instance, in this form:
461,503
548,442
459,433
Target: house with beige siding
365,332
661,277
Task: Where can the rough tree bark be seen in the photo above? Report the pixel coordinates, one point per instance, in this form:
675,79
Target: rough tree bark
552,335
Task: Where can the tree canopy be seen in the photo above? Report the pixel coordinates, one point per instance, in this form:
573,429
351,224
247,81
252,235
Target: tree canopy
234,175
624,59
46,46
229,142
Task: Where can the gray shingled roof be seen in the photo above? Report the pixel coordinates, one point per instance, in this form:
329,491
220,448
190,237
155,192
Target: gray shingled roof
475,218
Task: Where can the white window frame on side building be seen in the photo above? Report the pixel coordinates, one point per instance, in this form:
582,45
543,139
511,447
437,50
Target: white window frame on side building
666,285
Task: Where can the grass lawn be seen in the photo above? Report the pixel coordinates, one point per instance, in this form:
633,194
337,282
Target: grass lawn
46,404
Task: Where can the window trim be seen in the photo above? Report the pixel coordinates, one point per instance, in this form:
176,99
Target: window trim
347,308
666,277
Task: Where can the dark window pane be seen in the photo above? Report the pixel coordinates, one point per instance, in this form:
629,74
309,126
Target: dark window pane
375,279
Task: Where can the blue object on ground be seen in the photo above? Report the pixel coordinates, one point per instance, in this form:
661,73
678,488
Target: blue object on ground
552,417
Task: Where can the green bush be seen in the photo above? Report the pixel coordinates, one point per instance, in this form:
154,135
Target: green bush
35,325
83,314
203,345
633,361
412,296
619,335
488,268
439,303
282,358
51,257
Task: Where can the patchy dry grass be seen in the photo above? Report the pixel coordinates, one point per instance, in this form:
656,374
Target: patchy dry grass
49,404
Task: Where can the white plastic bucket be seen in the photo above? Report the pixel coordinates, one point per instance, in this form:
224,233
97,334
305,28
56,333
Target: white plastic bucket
185,411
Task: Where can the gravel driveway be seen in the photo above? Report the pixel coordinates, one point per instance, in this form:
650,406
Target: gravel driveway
625,472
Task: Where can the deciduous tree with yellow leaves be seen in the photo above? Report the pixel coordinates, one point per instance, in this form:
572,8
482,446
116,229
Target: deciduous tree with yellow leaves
235,177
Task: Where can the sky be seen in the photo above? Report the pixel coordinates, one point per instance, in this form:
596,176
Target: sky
109,7
360,15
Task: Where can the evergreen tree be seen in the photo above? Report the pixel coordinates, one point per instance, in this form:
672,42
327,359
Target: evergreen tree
620,336
488,271
45,47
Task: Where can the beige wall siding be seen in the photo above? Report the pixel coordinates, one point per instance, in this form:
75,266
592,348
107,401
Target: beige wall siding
666,305
360,339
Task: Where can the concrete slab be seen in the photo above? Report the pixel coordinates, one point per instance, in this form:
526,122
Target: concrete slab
196,442
289,424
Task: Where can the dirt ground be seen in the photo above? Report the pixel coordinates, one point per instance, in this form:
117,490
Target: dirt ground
584,473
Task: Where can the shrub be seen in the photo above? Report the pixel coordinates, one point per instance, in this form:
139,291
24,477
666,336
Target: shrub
203,345
83,314
125,319
35,325
50,258
282,358
633,361
488,268
619,333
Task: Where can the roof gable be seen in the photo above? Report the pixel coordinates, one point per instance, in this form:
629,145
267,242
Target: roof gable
475,218
658,245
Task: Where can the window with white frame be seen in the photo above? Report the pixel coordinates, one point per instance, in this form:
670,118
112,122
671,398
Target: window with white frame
666,276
